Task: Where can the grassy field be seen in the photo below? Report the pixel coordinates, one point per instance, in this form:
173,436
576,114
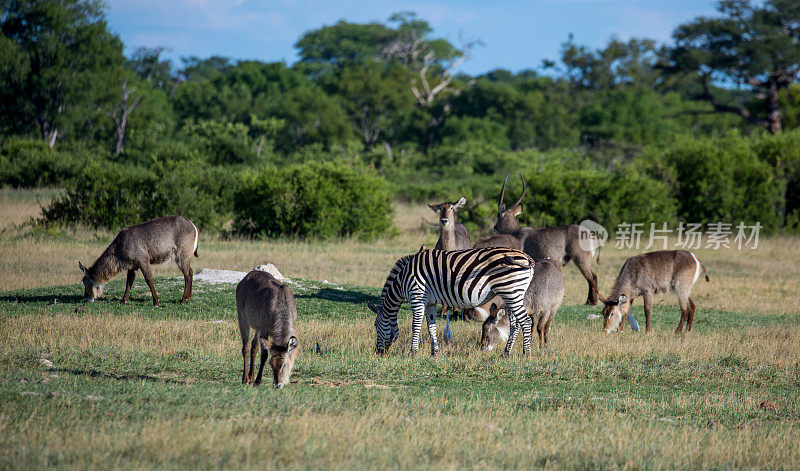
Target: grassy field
140,387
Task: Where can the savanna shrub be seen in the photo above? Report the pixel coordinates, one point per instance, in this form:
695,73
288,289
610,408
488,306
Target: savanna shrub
558,196
115,196
723,180
314,199
32,163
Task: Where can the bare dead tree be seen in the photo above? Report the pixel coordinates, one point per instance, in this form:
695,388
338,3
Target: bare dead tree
120,114
413,50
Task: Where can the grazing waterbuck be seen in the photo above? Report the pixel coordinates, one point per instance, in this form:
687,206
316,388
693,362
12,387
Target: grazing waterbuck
559,243
140,246
654,272
267,306
542,300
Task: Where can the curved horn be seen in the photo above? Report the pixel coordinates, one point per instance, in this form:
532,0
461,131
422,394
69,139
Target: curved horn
523,192
503,192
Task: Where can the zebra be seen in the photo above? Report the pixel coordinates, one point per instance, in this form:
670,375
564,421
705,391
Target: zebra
457,278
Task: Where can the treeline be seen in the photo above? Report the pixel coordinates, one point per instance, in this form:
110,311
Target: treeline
700,130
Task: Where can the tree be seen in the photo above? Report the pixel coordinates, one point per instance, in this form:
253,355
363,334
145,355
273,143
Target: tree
147,63
374,99
58,62
121,112
753,48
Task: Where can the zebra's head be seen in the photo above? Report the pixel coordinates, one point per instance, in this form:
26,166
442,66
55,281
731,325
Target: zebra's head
385,328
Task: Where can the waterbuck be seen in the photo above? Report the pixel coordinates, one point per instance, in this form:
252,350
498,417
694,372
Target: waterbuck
140,246
499,240
267,305
452,236
542,300
559,243
654,272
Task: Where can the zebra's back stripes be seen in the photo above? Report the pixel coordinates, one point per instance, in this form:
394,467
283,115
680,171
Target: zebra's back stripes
458,278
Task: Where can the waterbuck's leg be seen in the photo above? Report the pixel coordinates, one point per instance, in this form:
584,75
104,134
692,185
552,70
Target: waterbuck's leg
253,350
648,305
245,333
547,327
264,356
690,320
187,281
128,284
147,272
417,313
584,265
430,316
541,329
685,307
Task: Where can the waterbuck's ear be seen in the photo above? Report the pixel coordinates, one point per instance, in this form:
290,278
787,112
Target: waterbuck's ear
435,207
83,269
460,203
265,344
493,309
518,210
372,308
292,344
622,299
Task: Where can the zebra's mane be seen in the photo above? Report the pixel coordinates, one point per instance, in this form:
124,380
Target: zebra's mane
399,265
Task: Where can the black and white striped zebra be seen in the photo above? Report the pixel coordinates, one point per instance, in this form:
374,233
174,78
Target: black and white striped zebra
460,279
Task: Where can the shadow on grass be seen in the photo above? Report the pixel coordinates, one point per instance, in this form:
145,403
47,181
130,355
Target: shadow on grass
118,376
341,296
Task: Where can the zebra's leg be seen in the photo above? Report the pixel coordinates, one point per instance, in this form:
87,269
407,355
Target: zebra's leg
417,313
430,315
513,330
527,329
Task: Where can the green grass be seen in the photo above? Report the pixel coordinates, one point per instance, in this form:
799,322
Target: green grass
137,386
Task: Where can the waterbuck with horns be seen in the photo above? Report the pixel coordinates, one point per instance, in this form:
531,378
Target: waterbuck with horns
650,273
559,243
140,246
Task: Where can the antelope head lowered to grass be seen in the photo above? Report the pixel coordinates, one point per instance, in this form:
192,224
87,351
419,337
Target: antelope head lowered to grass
558,243
140,246
650,273
267,306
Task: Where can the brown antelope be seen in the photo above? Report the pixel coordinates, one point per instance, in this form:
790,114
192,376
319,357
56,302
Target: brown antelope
542,300
452,234
654,272
140,246
559,243
267,305
499,240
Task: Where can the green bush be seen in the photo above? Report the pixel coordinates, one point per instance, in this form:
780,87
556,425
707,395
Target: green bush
315,199
722,180
115,196
32,163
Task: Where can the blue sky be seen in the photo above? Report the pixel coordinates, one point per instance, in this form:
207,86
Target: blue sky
517,34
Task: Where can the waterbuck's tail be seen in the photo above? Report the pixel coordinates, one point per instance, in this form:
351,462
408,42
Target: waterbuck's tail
704,271
598,252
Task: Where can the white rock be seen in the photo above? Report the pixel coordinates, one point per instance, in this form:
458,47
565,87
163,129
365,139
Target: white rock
593,316
215,276
45,362
271,269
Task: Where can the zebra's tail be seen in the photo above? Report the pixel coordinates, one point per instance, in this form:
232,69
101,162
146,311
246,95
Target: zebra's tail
514,262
